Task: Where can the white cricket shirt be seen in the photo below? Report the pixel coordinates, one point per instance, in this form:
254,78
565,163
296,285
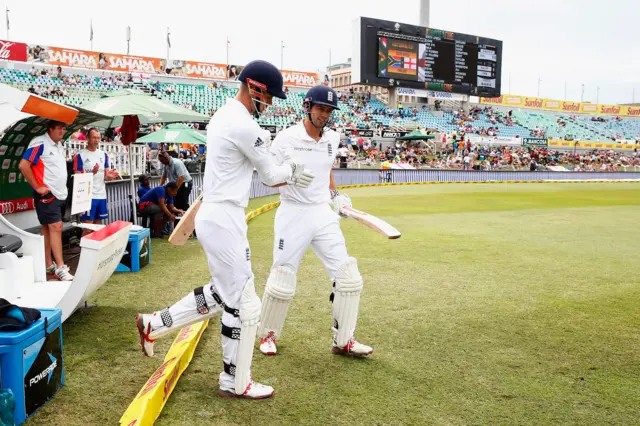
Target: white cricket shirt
316,156
235,145
84,161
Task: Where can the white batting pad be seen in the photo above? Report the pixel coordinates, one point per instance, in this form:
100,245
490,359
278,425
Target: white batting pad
250,316
196,306
278,293
346,300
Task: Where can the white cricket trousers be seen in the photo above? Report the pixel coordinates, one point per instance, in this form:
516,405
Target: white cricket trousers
299,225
222,232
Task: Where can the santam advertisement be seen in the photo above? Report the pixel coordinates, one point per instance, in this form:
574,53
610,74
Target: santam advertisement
563,106
53,55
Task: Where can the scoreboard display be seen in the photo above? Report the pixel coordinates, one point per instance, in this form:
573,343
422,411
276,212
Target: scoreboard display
391,54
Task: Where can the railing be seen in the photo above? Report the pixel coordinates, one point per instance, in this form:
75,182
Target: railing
118,155
118,193
120,206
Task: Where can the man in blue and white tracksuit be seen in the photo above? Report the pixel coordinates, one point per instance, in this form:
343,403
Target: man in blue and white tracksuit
96,161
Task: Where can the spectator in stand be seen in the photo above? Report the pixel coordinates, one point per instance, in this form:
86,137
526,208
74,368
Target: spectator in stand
343,154
44,167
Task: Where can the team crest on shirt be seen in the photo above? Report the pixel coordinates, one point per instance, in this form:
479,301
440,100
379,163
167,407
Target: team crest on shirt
259,142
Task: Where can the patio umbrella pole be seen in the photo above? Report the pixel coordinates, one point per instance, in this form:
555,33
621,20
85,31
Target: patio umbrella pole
134,217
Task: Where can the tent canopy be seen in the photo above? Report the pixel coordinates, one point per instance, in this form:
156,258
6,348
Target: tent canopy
416,135
149,109
175,133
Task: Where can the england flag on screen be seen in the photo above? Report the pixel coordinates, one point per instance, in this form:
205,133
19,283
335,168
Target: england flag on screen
409,63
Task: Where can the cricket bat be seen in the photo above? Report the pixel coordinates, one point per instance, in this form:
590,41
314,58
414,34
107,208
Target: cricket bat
372,222
187,224
89,226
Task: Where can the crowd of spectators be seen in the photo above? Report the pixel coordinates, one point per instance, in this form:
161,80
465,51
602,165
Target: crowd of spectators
464,155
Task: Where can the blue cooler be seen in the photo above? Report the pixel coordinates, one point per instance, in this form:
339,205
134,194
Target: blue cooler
31,363
138,252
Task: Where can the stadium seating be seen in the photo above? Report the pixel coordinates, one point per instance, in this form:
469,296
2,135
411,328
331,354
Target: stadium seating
613,127
552,124
87,90
206,100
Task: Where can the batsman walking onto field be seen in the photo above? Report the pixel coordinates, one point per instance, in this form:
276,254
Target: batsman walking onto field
305,218
234,146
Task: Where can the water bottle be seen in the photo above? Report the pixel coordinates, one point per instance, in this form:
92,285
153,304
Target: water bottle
7,407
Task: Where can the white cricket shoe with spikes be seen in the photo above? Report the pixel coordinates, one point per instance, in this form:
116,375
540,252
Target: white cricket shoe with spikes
268,344
353,348
144,328
254,391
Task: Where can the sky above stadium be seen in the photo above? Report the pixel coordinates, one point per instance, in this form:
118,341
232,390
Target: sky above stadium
588,42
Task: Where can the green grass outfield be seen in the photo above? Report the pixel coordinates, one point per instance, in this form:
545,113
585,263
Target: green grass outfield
500,304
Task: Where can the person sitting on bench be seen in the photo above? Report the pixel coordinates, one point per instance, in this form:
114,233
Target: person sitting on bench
157,205
145,185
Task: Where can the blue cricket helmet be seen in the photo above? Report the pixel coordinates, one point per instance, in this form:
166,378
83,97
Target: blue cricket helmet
321,95
265,73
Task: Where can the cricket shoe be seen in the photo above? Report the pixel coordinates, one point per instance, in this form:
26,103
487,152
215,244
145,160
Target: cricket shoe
62,273
254,390
353,348
51,268
144,328
268,344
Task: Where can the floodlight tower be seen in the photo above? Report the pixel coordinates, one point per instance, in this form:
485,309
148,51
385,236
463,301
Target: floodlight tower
424,13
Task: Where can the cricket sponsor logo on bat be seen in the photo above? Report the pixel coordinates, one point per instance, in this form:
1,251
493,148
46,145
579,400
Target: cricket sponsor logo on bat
372,222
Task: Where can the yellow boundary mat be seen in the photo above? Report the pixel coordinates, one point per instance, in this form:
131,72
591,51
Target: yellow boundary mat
150,401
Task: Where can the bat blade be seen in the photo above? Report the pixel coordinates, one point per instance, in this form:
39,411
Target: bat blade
372,222
187,224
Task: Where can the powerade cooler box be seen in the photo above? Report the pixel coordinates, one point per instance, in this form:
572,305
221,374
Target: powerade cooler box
138,252
31,363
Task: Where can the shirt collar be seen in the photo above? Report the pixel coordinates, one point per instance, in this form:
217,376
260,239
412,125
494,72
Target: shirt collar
236,104
48,139
305,136
59,146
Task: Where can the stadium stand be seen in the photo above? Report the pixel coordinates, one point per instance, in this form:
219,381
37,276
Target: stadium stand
355,110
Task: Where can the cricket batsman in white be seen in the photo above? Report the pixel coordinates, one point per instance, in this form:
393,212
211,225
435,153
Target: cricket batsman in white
305,218
235,146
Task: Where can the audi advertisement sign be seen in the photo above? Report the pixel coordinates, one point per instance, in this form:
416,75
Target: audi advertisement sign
16,206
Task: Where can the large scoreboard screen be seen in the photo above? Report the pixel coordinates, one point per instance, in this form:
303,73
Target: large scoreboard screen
418,57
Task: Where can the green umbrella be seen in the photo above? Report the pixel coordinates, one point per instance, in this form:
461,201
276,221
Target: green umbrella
149,109
416,135
175,133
